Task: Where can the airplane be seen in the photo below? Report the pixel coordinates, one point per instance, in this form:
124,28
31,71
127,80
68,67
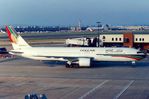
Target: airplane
73,56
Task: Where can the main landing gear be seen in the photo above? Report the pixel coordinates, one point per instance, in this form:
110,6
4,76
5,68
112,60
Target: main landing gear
71,65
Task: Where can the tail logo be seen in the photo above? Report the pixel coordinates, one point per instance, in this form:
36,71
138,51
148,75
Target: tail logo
12,34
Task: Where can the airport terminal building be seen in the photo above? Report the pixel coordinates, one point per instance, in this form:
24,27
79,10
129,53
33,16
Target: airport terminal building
126,40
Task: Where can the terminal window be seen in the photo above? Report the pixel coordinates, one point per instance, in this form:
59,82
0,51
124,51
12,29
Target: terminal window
115,39
103,37
126,40
120,39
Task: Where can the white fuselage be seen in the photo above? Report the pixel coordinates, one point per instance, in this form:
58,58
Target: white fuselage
66,53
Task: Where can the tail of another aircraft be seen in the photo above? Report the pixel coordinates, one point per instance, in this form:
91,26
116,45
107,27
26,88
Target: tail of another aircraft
16,40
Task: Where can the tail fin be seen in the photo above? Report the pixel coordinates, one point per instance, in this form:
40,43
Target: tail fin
16,40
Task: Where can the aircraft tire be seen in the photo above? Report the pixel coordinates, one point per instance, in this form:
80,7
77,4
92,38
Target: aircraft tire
67,65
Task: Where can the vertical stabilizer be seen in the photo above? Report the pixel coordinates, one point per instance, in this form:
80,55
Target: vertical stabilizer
16,40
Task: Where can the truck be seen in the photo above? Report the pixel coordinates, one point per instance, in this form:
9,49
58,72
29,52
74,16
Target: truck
83,42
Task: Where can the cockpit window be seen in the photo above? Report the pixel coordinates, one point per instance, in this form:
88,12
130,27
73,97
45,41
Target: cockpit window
140,52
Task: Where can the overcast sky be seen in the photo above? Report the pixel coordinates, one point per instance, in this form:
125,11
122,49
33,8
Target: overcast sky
69,12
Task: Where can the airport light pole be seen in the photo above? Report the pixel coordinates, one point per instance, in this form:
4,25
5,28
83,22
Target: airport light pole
98,24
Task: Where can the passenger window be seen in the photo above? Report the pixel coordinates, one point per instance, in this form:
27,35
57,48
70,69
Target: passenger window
115,39
120,39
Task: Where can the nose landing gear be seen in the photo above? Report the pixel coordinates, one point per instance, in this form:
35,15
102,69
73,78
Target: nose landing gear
133,63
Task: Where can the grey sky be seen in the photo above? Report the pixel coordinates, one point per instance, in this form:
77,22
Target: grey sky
68,12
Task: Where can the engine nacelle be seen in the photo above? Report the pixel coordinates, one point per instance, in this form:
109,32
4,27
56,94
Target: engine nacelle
81,62
84,62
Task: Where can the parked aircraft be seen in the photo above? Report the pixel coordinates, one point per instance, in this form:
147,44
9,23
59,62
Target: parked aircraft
73,56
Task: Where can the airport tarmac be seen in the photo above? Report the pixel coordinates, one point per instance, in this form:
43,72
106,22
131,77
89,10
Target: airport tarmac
20,76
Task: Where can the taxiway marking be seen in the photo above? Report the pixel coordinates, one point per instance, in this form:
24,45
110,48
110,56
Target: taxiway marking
92,90
124,89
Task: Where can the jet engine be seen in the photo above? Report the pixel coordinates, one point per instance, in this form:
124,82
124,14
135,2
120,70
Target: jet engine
84,62
81,62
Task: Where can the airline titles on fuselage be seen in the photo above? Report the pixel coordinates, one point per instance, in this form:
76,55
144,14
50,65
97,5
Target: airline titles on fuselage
87,50
114,51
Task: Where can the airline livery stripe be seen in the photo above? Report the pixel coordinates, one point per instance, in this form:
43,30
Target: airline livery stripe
12,32
135,57
131,57
9,34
